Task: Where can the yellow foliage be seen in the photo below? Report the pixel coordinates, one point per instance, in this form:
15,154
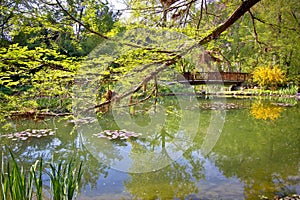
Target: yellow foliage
265,111
268,77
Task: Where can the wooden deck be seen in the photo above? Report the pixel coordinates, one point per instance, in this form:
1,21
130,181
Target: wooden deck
226,78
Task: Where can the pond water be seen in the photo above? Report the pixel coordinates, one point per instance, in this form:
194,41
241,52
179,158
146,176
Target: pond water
215,148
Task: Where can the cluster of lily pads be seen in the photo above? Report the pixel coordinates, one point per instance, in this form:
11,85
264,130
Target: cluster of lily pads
24,135
81,121
117,134
283,104
216,106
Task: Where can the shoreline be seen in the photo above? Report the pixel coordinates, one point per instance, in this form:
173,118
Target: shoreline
230,94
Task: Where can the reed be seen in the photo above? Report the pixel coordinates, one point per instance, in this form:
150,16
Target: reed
19,184
65,180
36,173
15,182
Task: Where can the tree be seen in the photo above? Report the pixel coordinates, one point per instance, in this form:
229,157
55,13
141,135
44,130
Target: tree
257,38
176,56
40,50
45,24
260,38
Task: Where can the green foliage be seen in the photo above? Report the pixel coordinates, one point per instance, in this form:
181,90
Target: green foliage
26,76
41,44
267,37
291,90
37,24
41,48
16,184
65,179
19,184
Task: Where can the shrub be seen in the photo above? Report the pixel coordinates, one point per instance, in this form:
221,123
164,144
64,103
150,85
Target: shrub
269,77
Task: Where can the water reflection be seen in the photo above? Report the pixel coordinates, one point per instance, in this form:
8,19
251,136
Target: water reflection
262,155
164,136
250,158
265,110
173,181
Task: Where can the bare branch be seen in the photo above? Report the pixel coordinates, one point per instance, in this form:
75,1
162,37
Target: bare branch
275,25
80,23
201,15
254,28
187,13
151,75
140,85
295,17
175,7
227,61
140,101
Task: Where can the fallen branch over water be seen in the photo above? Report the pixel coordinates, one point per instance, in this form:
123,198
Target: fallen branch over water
37,114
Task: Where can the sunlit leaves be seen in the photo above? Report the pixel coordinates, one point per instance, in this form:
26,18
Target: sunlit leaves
32,74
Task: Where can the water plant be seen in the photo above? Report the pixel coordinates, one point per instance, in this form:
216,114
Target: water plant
17,183
117,134
291,90
65,179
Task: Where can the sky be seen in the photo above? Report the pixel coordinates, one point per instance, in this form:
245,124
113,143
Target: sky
119,5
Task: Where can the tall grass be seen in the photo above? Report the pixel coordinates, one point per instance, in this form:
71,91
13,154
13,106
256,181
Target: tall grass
291,90
65,179
36,172
19,184
16,184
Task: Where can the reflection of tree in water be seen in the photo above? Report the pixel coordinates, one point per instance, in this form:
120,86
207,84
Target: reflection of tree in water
162,141
151,154
172,181
175,180
264,156
178,178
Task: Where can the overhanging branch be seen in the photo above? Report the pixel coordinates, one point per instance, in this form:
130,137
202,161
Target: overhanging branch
240,11
80,23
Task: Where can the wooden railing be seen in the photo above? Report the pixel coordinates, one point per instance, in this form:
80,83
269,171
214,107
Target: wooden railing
214,76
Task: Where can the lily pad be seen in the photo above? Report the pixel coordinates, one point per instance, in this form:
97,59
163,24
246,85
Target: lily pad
117,134
24,135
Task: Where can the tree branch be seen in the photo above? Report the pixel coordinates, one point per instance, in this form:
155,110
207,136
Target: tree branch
226,59
201,15
240,11
80,23
140,101
108,38
254,28
275,25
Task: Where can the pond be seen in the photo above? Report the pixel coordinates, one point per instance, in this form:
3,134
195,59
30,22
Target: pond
186,148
